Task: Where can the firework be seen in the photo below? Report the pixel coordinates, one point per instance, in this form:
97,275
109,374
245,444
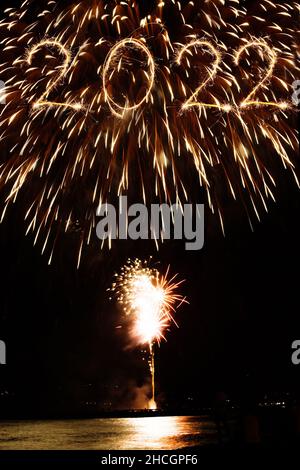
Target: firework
149,300
101,101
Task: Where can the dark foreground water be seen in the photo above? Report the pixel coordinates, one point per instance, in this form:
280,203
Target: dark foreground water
155,432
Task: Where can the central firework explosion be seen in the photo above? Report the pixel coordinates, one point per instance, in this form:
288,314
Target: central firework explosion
149,300
102,100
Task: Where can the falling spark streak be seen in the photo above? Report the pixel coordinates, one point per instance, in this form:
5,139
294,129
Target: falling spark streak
149,301
101,101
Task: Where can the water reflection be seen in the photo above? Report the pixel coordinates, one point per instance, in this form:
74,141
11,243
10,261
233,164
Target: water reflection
163,432
155,432
155,429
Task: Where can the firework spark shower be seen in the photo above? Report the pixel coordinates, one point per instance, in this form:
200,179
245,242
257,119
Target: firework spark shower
102,102
149,300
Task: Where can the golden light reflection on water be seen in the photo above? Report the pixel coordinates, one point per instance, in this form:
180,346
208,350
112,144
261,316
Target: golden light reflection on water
146,433
156,430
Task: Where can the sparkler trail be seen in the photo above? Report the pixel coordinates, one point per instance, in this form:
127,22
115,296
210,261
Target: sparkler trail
149,300
102,102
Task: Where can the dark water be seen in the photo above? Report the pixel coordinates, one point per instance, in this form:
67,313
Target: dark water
155,432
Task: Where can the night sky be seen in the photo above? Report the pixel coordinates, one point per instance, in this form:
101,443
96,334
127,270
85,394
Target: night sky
235,335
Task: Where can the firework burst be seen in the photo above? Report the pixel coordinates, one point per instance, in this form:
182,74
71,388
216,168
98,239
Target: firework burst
149,300
101,101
